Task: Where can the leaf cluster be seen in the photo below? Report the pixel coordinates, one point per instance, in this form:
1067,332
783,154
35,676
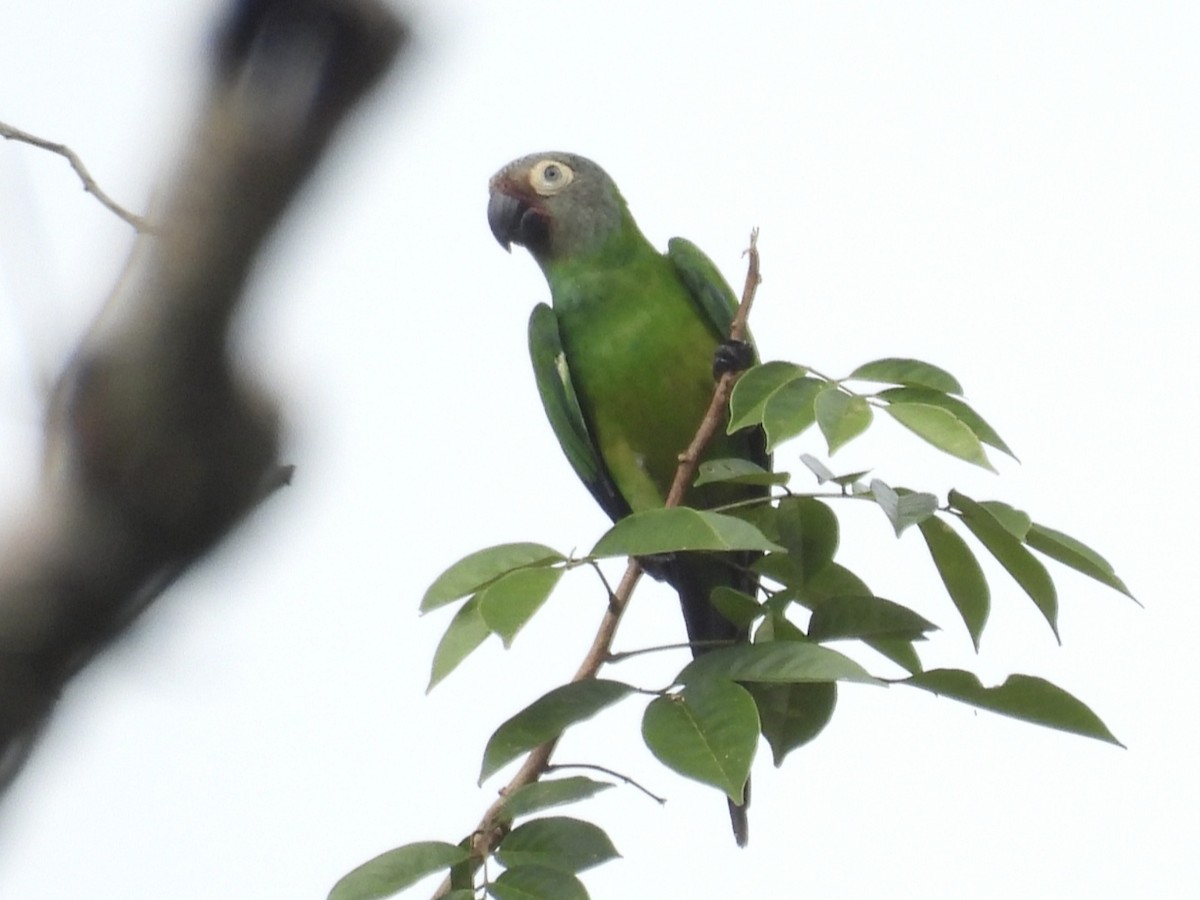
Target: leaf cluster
782,684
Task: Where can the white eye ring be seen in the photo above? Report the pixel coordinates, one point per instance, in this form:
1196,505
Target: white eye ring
550,176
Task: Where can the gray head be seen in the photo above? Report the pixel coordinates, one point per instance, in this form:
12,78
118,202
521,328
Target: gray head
557,205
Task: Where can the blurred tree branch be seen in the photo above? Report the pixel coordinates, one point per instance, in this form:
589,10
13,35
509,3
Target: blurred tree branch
155,447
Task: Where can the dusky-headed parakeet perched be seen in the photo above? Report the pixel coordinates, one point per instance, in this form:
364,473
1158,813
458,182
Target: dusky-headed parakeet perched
624,361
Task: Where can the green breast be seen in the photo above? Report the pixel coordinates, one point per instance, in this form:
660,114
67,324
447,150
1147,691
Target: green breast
640,355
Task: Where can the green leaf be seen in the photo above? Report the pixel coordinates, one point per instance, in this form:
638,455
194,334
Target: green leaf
537,883
547,717
737,607
775,625
841,416
791,715
1016,521
817,467
909,372
511,600
782,662
823,473
556,842
898,650
737,471
903,509
960,573
790,410
1021,696
1008,550
839,618
480,568
941,428
958,408
808,529
466,632
551,792
837,581
397,869
1077,555
679,528
755,388
707,732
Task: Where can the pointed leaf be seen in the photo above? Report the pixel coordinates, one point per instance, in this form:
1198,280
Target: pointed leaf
953,405
1021,696
808,529
839,618
550,792
837,581
1017,521
466,632
841,416
1076,554
737,607
472,572
790,410
737,471
397,869
537,883
942,429
777,627
556,842
791,715
903,509
1008,550
823,473
679,528
898,650
755,388
547,717
782,662
707,732
960,573
910,372
510,601
817,467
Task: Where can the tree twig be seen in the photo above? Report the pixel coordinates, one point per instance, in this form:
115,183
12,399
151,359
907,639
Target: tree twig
140,224
558,767
491,829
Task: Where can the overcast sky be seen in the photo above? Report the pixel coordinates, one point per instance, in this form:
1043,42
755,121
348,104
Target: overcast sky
1009,191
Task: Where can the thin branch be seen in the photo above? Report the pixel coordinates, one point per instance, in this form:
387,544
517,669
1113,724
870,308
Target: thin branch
8,132
491,828
623,655
556,767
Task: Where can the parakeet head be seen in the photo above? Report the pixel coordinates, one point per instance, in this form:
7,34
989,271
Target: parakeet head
556,205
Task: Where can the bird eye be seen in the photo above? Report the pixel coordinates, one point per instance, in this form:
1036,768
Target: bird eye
550,176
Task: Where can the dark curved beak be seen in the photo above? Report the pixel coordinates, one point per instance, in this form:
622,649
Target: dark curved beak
504,218
513,221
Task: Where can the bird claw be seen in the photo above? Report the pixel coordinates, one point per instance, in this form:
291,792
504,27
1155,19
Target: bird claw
732,356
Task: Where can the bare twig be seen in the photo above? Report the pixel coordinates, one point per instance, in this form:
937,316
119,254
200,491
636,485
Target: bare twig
558,767
89,183
491,828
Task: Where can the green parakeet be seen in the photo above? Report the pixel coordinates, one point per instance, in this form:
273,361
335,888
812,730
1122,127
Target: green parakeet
624,361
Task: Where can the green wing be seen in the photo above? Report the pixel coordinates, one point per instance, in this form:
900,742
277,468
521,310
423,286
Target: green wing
713,296
704,283
562,409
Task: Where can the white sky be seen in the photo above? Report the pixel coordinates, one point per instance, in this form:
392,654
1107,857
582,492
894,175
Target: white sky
1009,192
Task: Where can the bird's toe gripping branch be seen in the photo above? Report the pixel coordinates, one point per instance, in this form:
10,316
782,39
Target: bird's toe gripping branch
732,356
